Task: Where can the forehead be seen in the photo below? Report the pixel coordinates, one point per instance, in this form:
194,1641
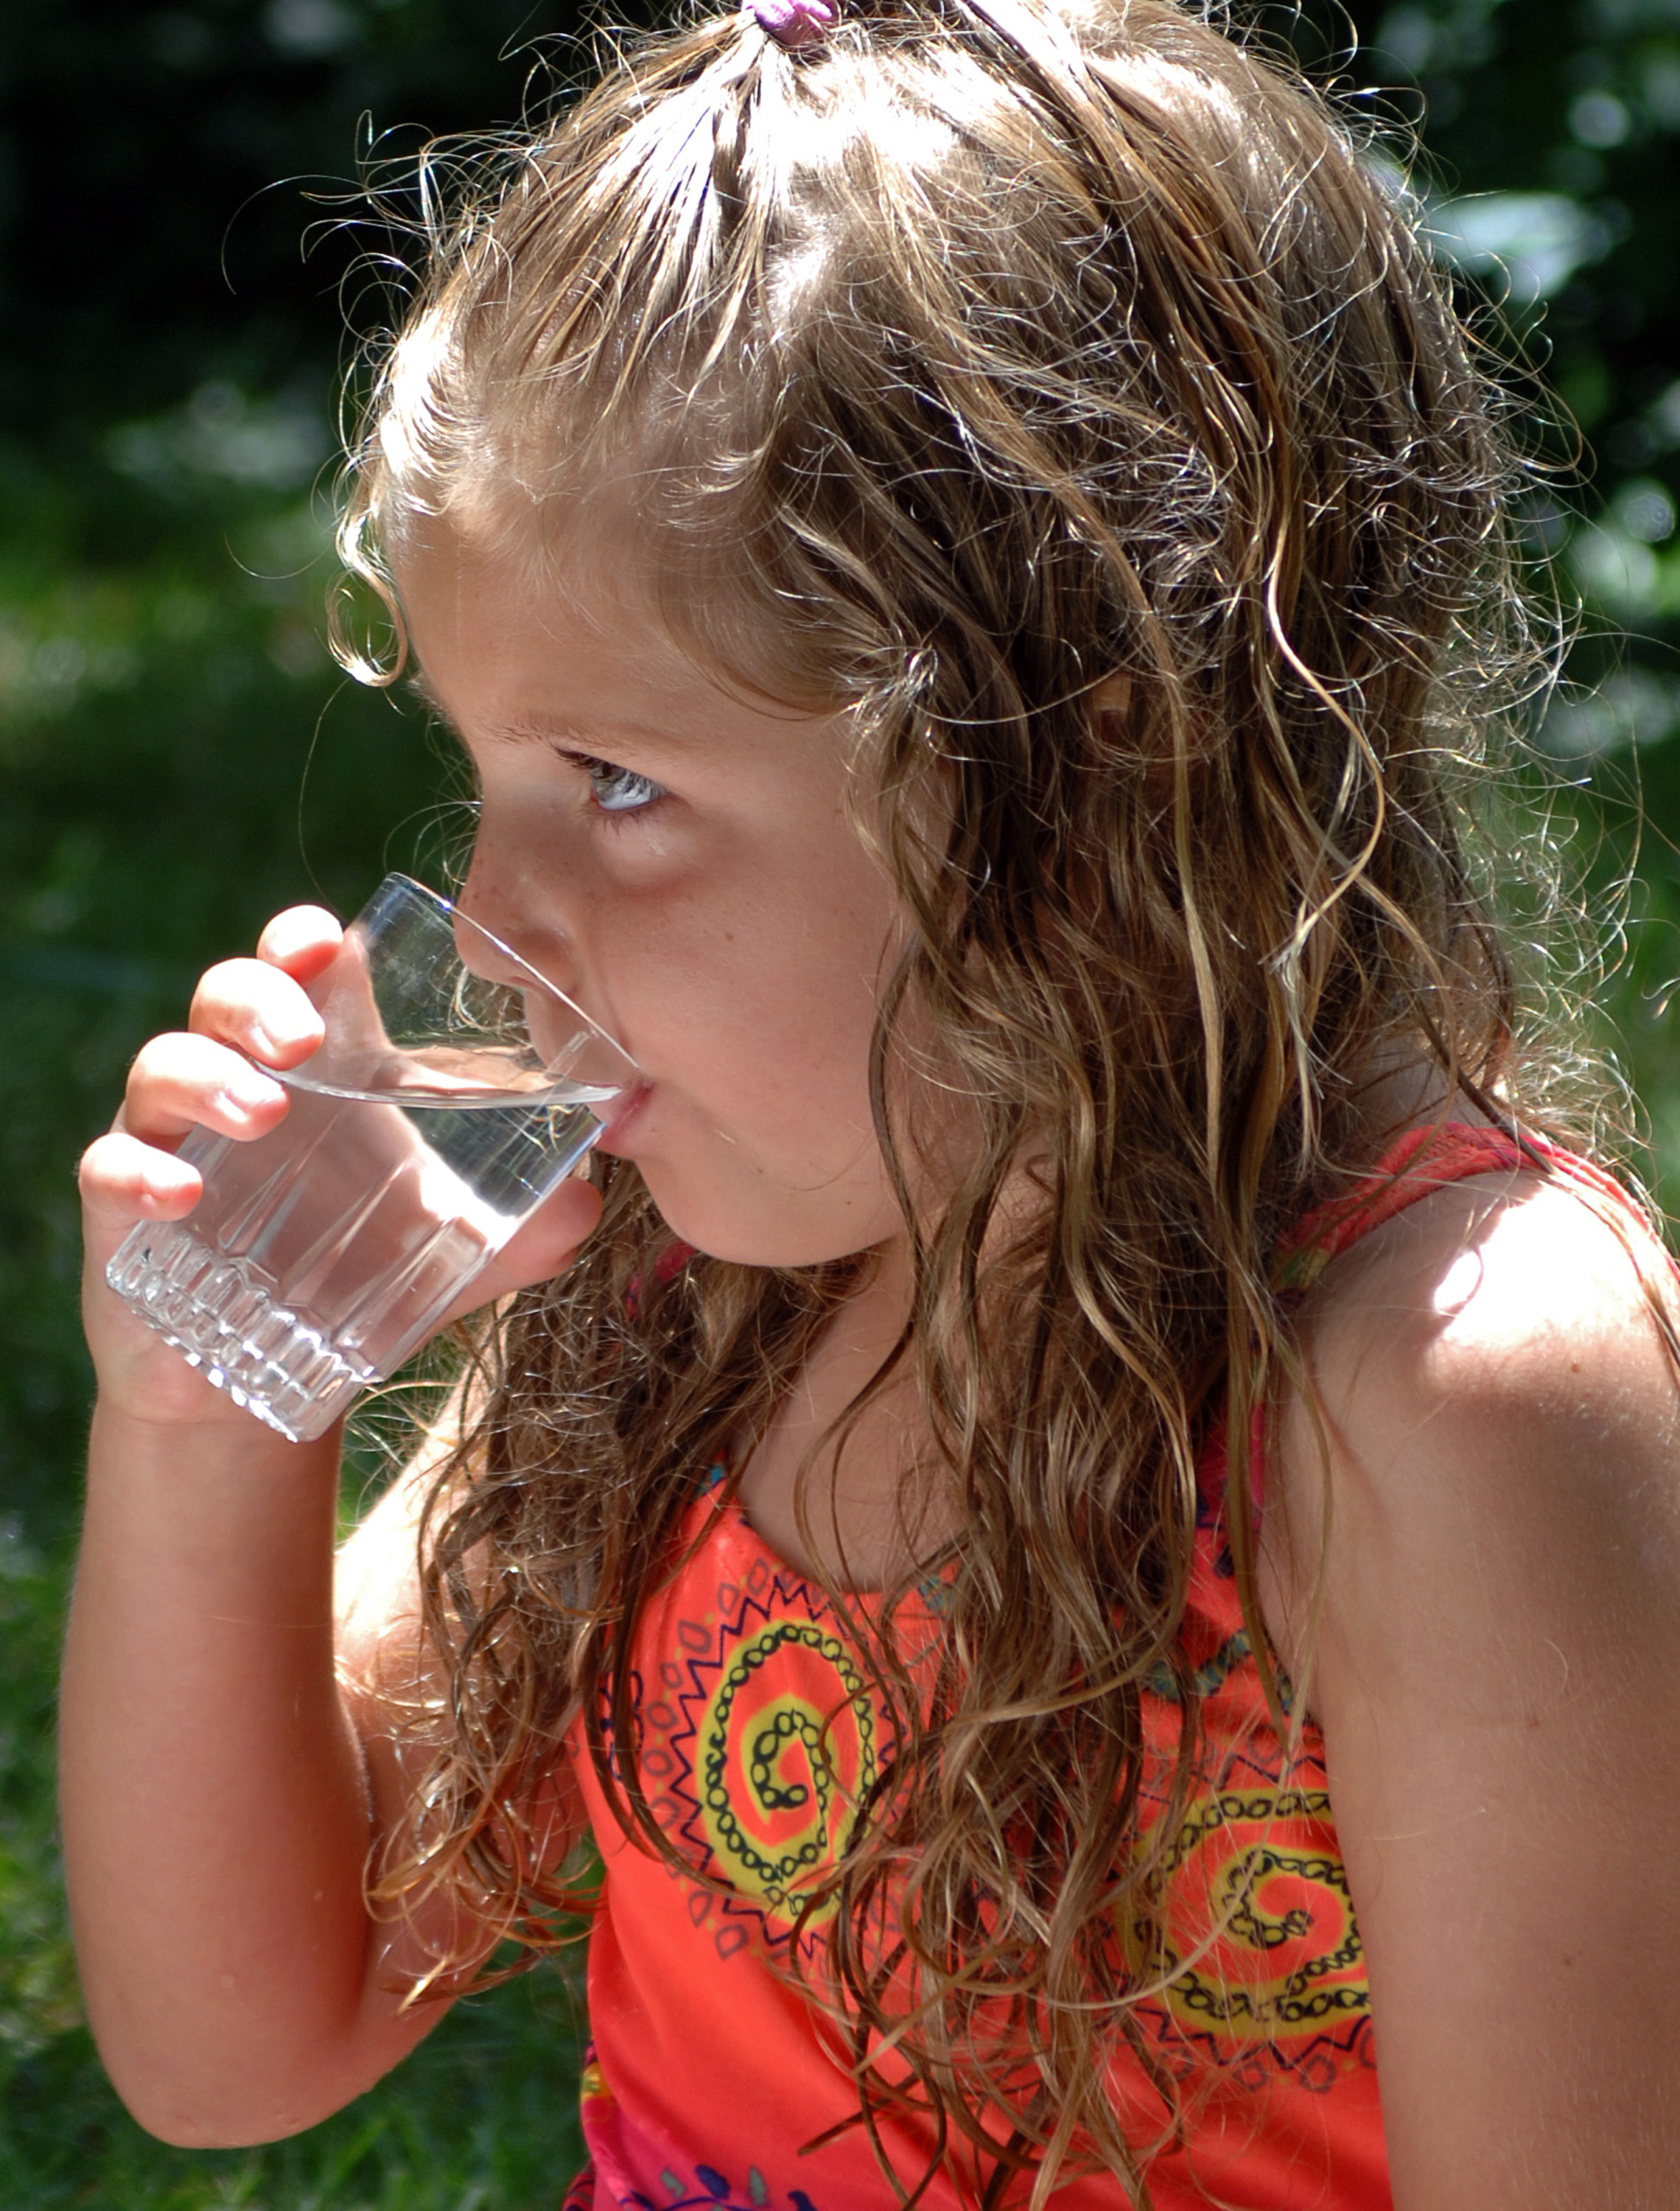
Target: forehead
618,538
515,649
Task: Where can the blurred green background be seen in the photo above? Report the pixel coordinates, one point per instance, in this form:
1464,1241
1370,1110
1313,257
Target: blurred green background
179,247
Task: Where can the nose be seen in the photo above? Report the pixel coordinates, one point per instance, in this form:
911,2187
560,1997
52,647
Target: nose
565,1037
512,894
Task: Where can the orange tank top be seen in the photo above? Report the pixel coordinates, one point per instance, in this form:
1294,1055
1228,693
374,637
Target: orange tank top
711,2081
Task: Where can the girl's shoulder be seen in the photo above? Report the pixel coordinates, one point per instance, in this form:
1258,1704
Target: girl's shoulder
1499,1341
1487,1399
1507,1284
1480,1447
1486,1335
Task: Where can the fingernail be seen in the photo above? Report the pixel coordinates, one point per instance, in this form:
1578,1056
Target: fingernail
271,1046
251,1092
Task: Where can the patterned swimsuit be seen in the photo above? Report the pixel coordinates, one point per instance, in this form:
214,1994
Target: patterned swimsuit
711,2081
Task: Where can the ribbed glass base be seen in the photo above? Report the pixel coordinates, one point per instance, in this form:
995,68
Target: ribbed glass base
223,1315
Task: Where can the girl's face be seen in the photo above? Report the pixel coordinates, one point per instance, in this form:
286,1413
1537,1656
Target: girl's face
679,864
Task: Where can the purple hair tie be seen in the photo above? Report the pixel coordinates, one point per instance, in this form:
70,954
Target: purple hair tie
795,23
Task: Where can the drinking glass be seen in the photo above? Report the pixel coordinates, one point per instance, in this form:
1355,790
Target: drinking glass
454,1089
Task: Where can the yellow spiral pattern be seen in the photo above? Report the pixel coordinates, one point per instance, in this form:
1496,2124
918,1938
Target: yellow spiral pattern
785,1751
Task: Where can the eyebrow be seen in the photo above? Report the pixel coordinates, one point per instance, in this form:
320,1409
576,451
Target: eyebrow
565,734
588,741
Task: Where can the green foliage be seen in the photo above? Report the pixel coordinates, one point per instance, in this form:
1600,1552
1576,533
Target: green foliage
179,758
1551,132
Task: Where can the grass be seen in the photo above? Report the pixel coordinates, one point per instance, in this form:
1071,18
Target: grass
482,2117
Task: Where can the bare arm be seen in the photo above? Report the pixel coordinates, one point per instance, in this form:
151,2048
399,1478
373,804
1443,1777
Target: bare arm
1498,1677
221,1793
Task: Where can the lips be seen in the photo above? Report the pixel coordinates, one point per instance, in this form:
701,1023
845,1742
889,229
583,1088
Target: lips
621,1116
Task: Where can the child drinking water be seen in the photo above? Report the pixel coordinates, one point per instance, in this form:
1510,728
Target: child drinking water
1085,1505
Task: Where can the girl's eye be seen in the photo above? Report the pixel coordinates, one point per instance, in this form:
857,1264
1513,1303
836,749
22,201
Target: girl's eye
619,789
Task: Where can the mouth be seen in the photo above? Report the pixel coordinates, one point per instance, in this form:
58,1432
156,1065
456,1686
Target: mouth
620,1116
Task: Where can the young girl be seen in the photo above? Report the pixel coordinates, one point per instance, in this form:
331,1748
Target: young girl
1093,1529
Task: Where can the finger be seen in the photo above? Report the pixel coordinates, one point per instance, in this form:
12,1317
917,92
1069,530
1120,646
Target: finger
544,1247
179,1082
123,1180
261,1009
303,941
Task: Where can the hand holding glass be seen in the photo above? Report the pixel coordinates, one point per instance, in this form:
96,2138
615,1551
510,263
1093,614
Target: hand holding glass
454,1092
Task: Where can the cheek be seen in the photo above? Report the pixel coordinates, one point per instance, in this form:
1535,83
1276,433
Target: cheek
768,984
762,996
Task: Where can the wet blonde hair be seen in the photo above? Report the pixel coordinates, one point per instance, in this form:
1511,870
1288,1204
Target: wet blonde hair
1059,387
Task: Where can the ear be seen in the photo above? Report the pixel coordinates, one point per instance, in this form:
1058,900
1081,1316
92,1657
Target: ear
1112,695
1111,704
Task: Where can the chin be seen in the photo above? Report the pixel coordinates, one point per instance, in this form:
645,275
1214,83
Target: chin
743,1235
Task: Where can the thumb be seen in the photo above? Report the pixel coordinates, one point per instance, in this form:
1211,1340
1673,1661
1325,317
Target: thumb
544,1246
